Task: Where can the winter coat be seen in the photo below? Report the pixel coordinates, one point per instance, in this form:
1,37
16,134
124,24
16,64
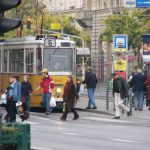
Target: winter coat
90,80
147,83
138,82
70,95
123,87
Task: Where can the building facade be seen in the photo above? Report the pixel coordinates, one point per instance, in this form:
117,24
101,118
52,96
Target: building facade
93,13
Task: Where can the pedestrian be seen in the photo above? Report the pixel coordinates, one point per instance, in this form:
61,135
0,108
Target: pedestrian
47,84
13,96
26,90
70,97
137,83
6,91
147,84
120,92
91,82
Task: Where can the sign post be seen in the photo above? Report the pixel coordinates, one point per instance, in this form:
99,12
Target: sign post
120,51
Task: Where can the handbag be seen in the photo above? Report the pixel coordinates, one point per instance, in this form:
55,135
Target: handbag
3,99
53,102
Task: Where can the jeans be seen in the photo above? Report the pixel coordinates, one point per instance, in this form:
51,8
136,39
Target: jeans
27,103
46,100
138,100
91,97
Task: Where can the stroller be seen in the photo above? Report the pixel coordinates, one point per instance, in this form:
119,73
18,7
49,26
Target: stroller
23,114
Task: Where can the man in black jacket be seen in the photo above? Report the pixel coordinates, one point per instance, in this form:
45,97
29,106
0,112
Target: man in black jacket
90,81
120,91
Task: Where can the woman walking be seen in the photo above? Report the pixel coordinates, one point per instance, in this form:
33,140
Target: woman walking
70,96
13,96
26,89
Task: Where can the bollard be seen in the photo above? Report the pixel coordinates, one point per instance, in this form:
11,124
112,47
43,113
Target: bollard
24,136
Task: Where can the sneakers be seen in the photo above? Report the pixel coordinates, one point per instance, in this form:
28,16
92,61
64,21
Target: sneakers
94,108
116,117
88,107
47,113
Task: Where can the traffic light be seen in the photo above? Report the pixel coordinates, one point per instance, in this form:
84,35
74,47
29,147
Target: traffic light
29,23
7,24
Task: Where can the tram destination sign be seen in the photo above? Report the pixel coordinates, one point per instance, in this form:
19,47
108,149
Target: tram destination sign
50,42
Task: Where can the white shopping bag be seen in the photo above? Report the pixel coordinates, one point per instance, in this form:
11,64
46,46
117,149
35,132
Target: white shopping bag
53,102
3,99
81,89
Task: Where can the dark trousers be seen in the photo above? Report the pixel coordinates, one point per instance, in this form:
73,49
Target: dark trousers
11,110
64,116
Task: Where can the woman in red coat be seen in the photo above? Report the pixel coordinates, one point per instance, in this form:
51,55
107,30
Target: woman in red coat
70,96
147,83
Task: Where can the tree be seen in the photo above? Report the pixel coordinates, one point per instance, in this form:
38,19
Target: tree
123,24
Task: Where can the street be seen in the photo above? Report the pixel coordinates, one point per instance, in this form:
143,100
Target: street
90,132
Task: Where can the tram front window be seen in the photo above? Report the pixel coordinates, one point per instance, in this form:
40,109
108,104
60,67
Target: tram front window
58,60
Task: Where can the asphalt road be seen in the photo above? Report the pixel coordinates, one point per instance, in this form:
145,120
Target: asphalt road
91,132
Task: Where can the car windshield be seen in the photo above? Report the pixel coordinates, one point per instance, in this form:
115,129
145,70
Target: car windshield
58,60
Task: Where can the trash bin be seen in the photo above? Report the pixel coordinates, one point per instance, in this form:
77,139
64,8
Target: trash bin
24,136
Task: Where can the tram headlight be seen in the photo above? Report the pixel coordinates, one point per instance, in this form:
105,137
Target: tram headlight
58,90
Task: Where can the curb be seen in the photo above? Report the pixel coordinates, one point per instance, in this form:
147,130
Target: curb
95,111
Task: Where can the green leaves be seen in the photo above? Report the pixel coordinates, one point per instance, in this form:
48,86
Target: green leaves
132,24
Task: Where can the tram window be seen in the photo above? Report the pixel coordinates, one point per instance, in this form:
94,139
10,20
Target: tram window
39,60
5,60
58,60
16,60
29,60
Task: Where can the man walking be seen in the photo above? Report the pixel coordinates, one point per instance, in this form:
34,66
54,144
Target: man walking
120,91
138,83
90,81
47,84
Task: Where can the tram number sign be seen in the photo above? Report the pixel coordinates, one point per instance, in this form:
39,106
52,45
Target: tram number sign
50,42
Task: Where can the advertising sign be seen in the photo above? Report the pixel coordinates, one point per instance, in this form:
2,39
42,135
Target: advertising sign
120,65
146,48
120,49
55,26
130,3
120,43
142,3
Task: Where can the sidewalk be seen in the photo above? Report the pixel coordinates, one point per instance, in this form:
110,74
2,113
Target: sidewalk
100,97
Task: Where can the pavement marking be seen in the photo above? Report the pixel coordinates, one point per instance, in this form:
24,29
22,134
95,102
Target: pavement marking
69,133
105,119
31,122
40,148
47,119
33,129
125,141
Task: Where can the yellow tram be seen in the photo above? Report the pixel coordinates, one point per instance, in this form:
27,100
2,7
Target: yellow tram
30,54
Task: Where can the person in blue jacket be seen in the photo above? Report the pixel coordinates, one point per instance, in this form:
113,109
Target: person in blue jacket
13,96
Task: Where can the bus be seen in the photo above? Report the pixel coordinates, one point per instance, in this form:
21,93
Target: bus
28,55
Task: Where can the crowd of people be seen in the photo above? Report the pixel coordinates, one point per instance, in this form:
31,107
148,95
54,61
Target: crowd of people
139,83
